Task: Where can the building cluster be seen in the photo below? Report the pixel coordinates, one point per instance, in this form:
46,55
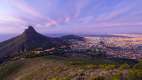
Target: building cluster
122,49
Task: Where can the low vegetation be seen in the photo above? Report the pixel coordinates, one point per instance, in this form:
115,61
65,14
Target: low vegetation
9,68
61,68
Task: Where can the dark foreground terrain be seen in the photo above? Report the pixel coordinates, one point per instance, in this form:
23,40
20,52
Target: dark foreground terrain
61,68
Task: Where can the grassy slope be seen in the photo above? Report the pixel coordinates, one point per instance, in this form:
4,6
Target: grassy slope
54,68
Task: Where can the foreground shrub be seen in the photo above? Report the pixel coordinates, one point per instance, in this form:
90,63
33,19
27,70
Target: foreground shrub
60,78
9,68
99,78
107,66
124,66
117,76
134,75
138,66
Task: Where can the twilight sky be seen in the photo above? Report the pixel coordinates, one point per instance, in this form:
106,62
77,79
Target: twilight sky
71,16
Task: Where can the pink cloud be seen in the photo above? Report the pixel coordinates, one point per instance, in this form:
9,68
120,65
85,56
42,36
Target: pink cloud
51,22
23,6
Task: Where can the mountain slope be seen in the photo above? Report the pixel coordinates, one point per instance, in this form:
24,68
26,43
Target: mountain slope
28,40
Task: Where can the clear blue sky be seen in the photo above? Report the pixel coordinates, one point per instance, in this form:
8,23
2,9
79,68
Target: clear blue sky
71,16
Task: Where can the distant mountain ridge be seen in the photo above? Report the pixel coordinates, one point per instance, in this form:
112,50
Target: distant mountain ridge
73,37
